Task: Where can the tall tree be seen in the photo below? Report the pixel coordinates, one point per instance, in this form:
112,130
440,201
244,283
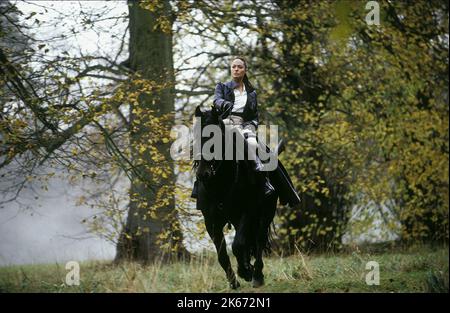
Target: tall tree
99,119
151,230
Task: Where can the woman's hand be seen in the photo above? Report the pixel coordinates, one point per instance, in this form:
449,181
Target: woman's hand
223,106
227,106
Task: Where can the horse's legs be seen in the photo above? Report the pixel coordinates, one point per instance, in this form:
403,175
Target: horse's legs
217,237
258,276
241,251
262,239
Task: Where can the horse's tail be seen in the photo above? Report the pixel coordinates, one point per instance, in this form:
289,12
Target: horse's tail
270,238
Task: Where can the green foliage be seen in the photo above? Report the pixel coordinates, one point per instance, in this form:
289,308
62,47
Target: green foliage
366,120
364,108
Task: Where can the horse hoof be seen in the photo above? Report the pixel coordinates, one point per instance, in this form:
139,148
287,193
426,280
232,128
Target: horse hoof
235,284
257,282
245,274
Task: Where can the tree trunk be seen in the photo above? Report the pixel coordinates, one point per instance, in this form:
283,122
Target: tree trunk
151,231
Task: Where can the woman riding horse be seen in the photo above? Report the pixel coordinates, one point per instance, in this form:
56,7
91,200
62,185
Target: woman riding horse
226,190
240,115
236,103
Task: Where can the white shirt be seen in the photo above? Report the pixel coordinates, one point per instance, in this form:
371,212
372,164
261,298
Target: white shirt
240,99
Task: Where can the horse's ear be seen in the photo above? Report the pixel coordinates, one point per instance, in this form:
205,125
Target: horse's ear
198,112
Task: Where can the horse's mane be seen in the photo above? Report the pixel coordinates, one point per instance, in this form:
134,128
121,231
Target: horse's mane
211,116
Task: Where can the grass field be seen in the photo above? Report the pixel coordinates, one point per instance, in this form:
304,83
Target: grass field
413,269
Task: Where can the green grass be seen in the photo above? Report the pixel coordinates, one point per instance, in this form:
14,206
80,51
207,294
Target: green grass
416,269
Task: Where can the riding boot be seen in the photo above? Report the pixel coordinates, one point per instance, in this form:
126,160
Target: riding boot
262,177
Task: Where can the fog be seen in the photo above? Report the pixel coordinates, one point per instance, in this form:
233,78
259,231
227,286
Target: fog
46,226
49,229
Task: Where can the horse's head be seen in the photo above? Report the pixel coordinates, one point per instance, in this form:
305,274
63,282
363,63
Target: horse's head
205,168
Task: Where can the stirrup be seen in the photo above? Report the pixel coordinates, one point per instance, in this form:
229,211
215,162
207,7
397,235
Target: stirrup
264,183
268,188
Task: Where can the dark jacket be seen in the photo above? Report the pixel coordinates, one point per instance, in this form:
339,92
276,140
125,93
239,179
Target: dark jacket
224,101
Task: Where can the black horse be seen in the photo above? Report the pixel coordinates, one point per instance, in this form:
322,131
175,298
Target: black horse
228,192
